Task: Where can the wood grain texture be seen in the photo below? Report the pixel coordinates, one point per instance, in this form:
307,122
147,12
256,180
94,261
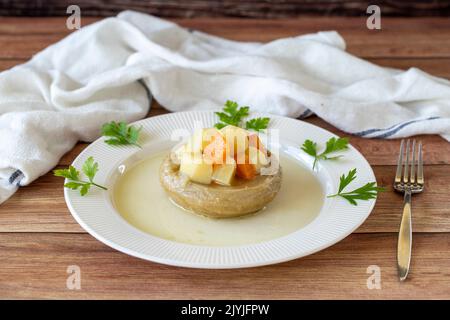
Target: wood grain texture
281,28
34,266
227,8
399,38
39,238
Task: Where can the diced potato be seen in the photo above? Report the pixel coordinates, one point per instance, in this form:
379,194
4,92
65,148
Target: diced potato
224,173
201,138
210,134
177,153
257,157
236,138
195,142
197,169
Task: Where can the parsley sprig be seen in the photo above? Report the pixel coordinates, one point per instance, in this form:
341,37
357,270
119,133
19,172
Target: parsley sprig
257,124
332,145
89,168
121,134
233,114
366,192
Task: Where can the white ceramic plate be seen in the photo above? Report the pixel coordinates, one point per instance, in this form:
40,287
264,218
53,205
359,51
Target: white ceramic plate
336,220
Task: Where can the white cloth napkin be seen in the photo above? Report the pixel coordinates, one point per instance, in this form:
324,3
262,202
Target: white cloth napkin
97,74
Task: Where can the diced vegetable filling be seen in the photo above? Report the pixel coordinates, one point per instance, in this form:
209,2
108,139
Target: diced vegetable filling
220,156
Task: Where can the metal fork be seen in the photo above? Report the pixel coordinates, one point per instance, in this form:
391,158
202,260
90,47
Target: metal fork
408,180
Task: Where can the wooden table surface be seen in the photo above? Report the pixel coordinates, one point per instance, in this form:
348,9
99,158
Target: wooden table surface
39,238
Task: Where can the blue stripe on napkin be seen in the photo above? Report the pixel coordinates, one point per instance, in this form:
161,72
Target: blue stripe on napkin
306,114
16,177
387,132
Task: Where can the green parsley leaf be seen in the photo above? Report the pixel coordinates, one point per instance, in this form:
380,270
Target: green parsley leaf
366,192
257,124
332,145
84,189
310,147
121,134
73,185
232,115
70,173
89,168
220,125
345,180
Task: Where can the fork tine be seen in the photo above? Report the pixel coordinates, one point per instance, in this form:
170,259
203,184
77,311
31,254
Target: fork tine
406,173
420,179
412,176
398,173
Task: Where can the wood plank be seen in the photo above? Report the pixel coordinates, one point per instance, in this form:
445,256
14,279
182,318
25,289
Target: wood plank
25,46
430,39
40,207
275,27
34,266
234,8
9,63
430,208
39,25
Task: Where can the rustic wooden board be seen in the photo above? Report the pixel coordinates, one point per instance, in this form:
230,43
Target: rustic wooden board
9,63
409,41
283,27
227,8
39,238
34,266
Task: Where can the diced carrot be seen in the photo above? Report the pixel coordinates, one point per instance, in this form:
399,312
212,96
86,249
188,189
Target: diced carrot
254,141
216,149
246,171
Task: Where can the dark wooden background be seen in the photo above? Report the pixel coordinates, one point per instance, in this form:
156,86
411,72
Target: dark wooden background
227,8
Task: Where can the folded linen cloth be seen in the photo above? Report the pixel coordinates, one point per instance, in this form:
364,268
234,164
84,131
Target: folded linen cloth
105,71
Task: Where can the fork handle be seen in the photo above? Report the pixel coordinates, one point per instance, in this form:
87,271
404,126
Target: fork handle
405,239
